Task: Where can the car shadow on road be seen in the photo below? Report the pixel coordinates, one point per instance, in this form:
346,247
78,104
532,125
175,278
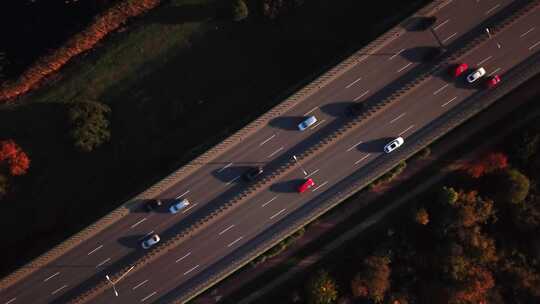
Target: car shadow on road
289,123
289,186
132,241
420,53
418,24
232,173
374,146
337,109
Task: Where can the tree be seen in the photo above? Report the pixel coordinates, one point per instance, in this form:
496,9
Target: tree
516,186
90,125
239,10
374,280
321,289
447,196
474,288
422,216
16,159
487,164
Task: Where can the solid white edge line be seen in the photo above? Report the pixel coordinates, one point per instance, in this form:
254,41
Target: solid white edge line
226,229
185,273
52,276
185,256
352,83
271,200
140,284
446,103
280,212
267,140
11,301
96,249
148,296
321,185
56,291
235,241
137,223
440,89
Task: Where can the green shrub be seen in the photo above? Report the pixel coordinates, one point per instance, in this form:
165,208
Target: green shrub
239,10
321,288
90,125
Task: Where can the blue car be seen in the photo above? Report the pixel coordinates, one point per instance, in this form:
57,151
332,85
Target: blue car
307,123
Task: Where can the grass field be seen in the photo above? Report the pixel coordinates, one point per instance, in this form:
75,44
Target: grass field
178,80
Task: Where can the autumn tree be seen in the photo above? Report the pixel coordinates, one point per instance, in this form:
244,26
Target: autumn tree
516,186
422,216
321,288
15,158
474,287
373,281
90,125
487,164
239,10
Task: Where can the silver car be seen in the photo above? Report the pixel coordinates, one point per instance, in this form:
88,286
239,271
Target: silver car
308,122
394,144
178,205
474,76
150,241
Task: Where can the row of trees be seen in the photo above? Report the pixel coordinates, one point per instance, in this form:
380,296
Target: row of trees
102,25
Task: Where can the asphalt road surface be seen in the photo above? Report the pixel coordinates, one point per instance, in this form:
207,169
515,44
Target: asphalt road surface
215,182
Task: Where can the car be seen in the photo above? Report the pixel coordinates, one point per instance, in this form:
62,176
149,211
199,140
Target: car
356,108
308,122
150,241
459,69
253,173
178,205
306,184
153,204
493,81
477,74
394,144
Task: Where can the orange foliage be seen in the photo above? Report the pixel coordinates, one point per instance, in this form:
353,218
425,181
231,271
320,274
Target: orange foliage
102,25
488,164
17,160
476,288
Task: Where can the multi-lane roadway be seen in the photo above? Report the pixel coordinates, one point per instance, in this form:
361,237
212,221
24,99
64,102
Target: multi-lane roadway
219,180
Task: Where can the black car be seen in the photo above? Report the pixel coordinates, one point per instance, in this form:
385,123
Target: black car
253,173
153,204
356,108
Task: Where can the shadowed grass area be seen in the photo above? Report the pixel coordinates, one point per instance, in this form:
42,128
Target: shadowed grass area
178,81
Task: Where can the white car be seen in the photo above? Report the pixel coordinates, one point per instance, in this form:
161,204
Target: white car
394,144
308,122
150,241
179,205
474,76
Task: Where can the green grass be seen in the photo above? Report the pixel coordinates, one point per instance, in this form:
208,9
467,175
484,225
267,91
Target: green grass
178,80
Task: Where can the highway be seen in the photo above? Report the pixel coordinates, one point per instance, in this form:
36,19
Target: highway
214,183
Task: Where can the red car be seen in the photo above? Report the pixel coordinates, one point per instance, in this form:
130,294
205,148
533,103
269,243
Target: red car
308,183
459,69
493,81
